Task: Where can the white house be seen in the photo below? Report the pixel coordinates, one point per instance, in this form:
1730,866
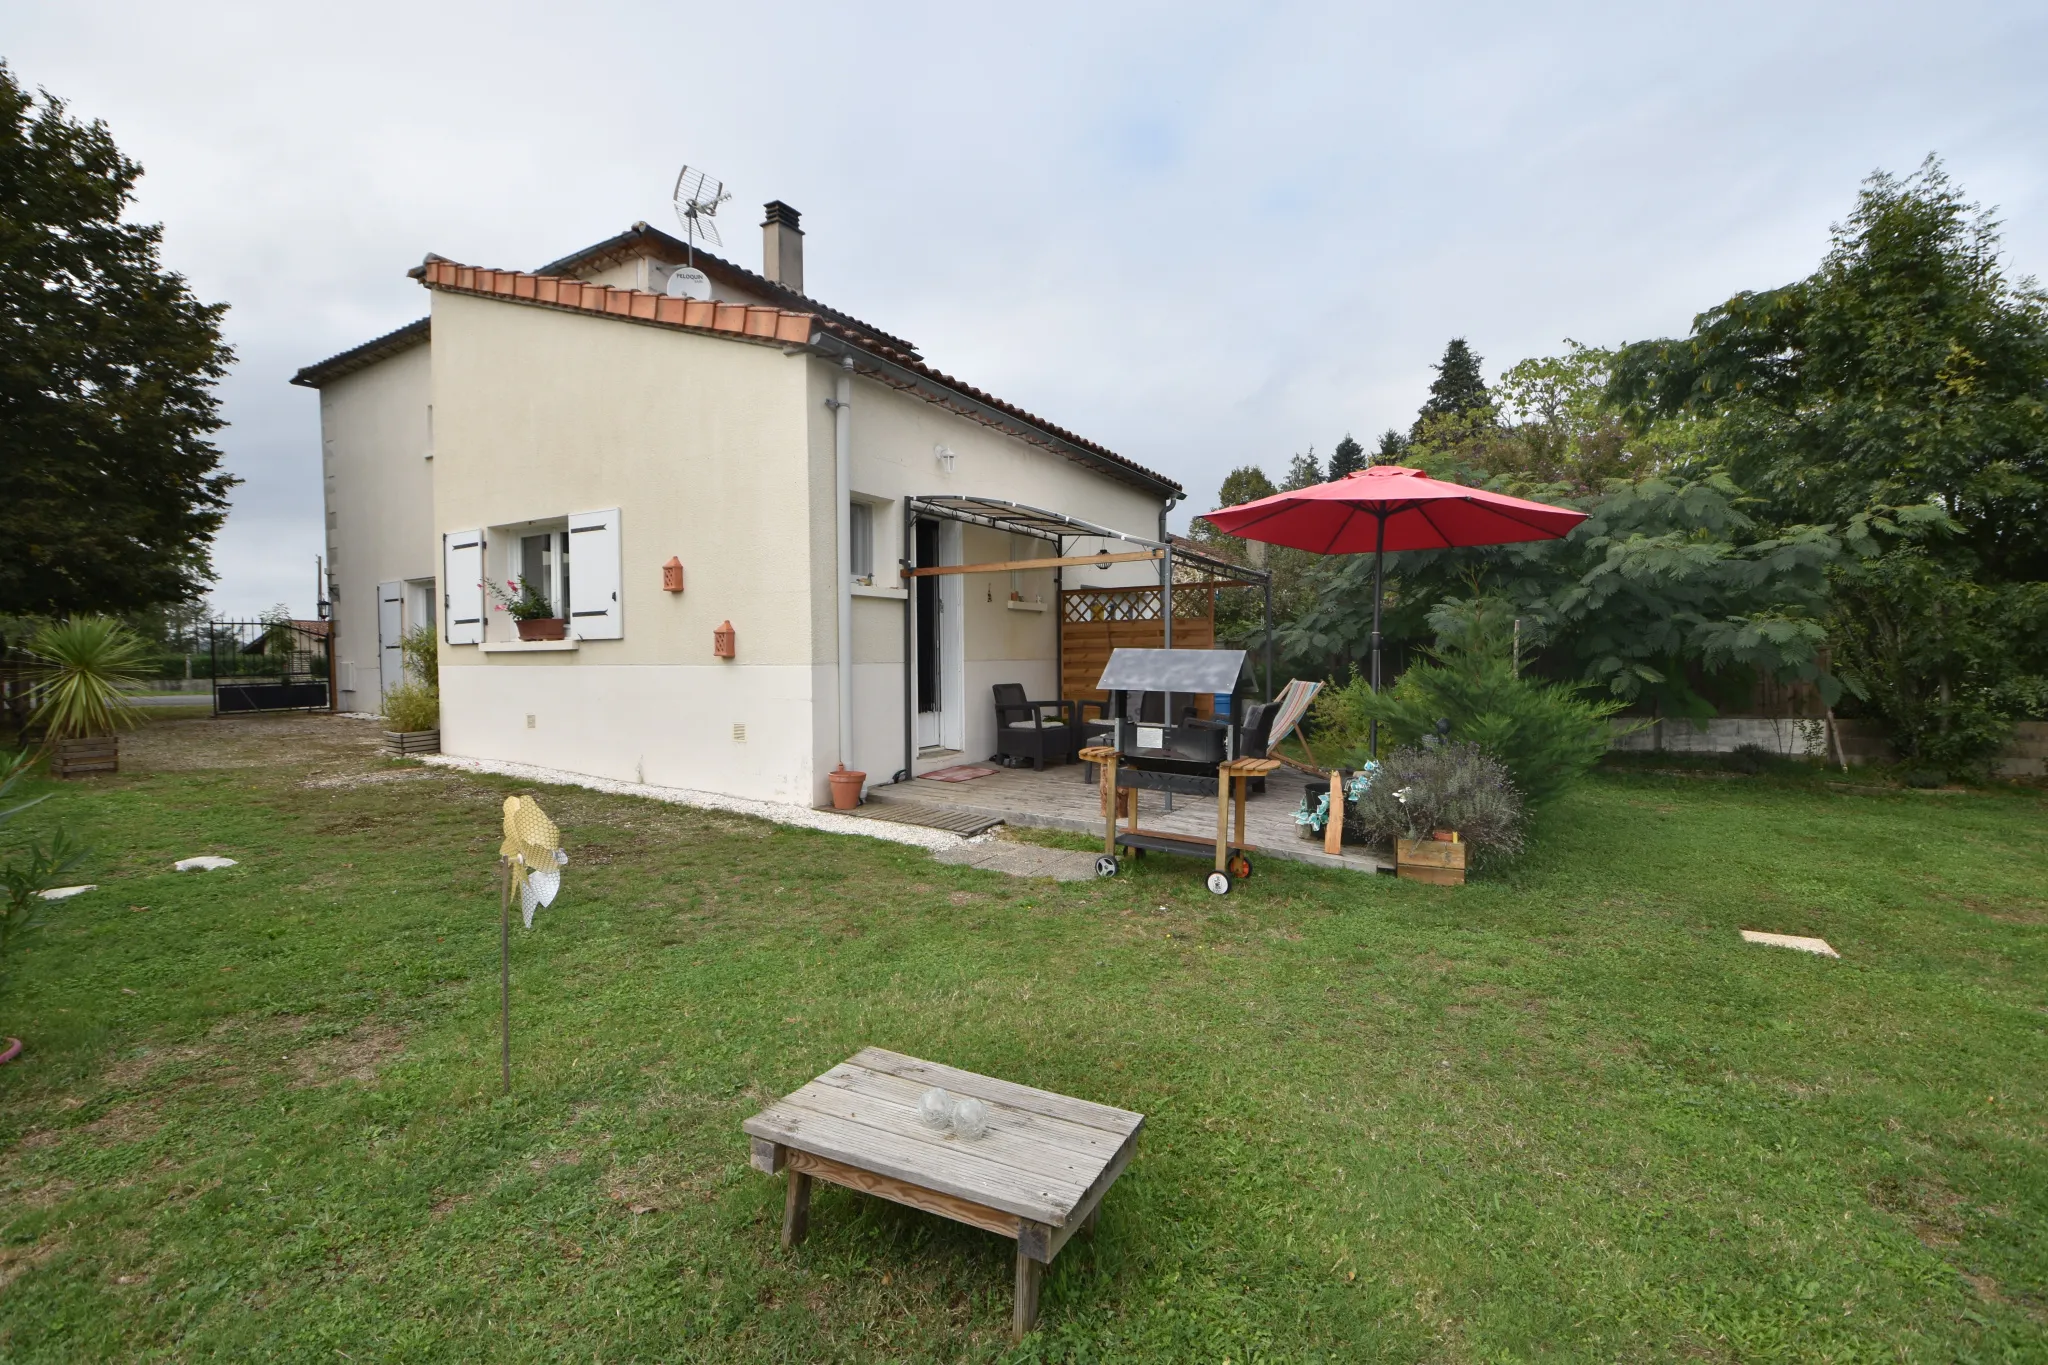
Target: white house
582,425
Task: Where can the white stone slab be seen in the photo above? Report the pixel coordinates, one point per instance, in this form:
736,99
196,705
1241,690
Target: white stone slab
1804,945
65,893
205,863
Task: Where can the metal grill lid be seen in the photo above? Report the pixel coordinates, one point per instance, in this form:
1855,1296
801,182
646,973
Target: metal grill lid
1173,670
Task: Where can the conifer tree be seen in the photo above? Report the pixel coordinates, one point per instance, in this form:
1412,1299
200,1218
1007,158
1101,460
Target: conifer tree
1458,390
1347,458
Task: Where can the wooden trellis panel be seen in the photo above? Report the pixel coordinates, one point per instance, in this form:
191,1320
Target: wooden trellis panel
1095,621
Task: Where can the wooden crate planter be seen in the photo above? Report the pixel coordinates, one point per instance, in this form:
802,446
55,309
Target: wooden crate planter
1430,860
412,741
77,757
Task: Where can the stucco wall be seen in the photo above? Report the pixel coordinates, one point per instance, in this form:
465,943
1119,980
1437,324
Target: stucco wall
893,456
375,442
702,444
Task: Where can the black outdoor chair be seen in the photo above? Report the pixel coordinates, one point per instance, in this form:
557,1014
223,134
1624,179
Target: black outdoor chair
1022,731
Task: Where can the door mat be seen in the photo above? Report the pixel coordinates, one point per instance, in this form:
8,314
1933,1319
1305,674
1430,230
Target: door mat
918,813
959,772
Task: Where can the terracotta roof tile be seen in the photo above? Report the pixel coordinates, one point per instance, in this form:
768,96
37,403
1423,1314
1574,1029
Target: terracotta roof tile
740,319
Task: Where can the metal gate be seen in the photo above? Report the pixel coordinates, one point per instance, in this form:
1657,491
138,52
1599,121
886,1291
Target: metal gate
277,665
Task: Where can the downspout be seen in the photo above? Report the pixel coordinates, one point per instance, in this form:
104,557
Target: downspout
842,454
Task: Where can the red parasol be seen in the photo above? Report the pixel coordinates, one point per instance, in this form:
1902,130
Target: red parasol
1386,507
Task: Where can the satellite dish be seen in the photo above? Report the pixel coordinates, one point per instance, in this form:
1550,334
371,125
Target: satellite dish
688,282
697,197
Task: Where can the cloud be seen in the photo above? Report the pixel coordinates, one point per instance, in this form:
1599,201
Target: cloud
1203,235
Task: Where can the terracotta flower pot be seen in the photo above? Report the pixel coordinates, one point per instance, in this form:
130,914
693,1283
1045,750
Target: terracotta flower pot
544,628
846,785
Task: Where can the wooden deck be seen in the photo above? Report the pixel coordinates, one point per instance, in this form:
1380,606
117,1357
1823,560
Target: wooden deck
1059,798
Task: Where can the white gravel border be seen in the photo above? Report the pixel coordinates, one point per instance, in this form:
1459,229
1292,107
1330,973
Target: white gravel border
802,817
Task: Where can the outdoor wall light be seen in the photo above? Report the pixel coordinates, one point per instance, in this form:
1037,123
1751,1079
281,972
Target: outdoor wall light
672,575
724,641
945,458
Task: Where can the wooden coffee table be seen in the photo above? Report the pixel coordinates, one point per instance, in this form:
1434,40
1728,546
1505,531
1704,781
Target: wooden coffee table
1037,1176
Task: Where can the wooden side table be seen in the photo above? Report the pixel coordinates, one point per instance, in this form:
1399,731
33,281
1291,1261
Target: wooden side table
1037,1176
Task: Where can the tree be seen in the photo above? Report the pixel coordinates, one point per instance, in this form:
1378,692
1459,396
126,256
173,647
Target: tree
1393,445
1458,390
1246,483
1665,574
110,493
1347,458
1303,471
1905,373
1906,369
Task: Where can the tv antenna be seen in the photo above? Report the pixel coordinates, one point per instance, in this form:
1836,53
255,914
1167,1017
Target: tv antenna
697,198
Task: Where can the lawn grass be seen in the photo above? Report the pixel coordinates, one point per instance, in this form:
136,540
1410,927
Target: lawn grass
1562,1114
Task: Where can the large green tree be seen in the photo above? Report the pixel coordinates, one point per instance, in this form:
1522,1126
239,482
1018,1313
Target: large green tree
1907,369
1907,372
110,490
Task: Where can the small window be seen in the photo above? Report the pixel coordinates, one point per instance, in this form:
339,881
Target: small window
861,534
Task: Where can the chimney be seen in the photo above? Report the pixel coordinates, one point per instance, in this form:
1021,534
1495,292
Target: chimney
782,246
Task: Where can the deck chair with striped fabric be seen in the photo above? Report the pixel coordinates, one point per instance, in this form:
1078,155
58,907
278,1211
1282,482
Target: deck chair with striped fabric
1293,701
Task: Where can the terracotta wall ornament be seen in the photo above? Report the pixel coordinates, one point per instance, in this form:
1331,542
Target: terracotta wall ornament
672,575
723,643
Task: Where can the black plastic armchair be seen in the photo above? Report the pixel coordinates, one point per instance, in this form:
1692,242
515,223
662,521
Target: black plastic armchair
1023,732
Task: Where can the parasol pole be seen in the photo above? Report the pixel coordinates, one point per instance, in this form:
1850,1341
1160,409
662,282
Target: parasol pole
505,967
1379,559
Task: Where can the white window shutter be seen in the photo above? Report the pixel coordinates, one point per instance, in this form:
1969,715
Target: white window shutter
462,586
390,631
594,578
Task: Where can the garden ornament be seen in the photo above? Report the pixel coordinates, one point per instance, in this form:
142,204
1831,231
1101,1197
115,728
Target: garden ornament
531,859
533,852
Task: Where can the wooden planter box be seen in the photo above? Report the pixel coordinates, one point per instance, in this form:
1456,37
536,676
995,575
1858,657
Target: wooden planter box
412,741
1430,860
544,628
77,757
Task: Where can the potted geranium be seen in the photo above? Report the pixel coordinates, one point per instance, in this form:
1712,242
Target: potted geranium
531,612
83,665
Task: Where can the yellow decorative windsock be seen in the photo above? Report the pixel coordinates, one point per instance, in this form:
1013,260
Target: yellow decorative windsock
533,849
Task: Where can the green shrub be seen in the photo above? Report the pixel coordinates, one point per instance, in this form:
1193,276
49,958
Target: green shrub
421,649
1547,734
412,706
1420,789
1748,758
1926,779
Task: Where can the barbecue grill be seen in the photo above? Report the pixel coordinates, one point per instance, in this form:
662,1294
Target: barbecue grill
1159,742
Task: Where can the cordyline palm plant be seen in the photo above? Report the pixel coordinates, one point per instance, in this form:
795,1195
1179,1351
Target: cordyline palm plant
84,664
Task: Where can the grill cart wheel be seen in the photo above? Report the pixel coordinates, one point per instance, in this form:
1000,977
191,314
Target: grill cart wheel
1105,866
1219,882
1239,866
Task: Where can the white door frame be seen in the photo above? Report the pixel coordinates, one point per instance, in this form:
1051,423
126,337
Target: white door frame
952,640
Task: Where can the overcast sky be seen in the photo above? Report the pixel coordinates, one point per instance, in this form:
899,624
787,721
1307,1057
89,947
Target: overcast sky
1203,235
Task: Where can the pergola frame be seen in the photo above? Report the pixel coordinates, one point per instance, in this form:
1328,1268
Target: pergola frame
1018,518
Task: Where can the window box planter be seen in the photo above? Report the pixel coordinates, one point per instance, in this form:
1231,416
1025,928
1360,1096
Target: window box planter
1436,861
544,628
78,757
412,741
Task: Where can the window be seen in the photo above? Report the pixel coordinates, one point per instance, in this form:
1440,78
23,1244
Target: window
861,534
539,553
544,564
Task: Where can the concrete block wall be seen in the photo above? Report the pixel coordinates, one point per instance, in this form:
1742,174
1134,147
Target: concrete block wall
2025,756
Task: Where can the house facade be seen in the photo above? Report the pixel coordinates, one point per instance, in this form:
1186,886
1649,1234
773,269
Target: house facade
585,426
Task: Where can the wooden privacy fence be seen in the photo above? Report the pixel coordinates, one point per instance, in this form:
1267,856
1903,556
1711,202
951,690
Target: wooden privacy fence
1094,621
